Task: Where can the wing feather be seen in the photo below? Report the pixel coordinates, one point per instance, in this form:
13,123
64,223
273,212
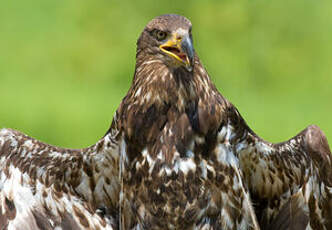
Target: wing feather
281,175
42,186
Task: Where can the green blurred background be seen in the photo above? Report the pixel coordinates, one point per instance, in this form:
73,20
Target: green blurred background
65,65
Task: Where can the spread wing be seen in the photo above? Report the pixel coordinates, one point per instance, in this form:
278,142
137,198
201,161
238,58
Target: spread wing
44,187
290,182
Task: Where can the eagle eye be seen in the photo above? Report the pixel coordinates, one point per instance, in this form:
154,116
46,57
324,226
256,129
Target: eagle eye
159,34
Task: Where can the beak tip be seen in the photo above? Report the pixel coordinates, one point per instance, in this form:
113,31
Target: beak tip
189,64
189,50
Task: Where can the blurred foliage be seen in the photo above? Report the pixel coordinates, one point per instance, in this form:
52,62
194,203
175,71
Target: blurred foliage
66,65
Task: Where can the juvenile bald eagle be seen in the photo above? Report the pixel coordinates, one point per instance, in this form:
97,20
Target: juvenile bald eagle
178,155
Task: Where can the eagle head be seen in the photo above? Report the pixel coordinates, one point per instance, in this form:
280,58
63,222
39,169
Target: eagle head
168,38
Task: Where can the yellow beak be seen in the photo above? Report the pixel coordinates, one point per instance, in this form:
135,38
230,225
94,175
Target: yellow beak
180,48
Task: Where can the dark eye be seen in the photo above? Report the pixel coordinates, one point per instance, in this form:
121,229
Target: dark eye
159,35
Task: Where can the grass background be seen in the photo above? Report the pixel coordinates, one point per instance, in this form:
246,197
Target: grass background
66,65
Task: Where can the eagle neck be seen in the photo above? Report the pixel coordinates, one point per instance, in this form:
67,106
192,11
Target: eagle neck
160,85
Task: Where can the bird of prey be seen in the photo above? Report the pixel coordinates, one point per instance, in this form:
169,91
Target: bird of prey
177,155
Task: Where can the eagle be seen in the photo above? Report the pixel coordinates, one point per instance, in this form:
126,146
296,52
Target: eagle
177,155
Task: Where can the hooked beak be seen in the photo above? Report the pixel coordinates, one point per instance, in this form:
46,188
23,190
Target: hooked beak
181,49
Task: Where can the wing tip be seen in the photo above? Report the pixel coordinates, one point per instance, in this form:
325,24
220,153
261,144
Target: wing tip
8,138
316,142
7,132
319,150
